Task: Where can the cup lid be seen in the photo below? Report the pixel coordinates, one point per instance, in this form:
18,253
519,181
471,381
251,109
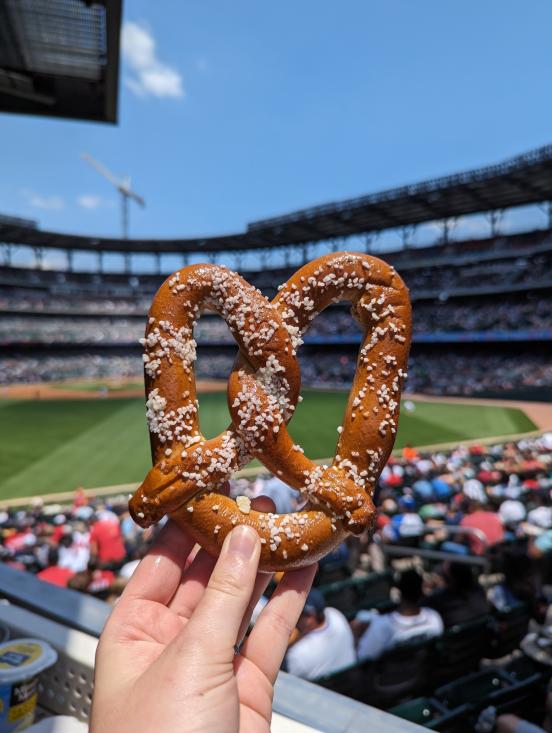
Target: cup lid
24,658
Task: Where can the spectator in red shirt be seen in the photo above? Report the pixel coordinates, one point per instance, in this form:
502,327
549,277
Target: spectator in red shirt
55,574
488,522
21,540
106,541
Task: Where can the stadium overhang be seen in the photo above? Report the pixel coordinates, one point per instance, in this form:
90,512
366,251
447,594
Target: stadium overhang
60,58
522,180
526,179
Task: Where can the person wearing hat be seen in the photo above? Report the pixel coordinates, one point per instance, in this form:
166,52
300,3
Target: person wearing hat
541,514
326,643
406,526
512,512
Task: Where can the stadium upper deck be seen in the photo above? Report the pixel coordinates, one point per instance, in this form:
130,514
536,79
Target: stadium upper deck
486,266
481,306
525,179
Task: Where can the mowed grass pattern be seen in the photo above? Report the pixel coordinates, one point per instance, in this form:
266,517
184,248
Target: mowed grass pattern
57,445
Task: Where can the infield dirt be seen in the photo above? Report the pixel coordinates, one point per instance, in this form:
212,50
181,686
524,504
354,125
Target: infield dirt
61,391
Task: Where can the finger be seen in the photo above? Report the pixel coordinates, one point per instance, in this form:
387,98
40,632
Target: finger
219,614
196,576
261,582
267,643
192,586
158,575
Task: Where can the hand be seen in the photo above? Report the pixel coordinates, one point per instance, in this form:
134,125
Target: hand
166,658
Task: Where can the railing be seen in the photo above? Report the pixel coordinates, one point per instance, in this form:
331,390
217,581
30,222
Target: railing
394,550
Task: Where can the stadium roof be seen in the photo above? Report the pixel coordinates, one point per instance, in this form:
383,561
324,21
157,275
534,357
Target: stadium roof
525,179
60,58
521,180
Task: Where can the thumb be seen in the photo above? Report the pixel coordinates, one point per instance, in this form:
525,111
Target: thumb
218,616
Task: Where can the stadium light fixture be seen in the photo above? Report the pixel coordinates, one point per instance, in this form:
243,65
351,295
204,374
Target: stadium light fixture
123,187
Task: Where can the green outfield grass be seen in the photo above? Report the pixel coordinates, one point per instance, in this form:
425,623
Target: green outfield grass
57,445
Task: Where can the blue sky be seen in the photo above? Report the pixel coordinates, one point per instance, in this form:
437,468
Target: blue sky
231,112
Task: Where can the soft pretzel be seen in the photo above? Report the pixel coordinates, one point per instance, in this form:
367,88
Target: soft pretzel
263,391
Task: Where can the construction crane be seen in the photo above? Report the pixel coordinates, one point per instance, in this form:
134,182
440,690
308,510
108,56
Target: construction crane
123,187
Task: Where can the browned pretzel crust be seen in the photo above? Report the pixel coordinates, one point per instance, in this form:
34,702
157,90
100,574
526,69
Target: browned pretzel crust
263,391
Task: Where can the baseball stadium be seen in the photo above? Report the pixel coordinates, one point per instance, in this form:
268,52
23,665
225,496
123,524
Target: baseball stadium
439,615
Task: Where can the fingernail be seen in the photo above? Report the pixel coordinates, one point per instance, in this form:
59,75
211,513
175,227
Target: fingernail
243,540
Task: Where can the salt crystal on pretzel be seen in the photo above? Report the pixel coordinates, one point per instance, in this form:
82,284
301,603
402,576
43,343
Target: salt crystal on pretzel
263,391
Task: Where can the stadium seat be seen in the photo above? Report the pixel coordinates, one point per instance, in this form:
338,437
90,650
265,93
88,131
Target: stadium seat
349,681
432,714
340,595
355,594
459,650
497,553
472,689
507,629
398,674
521,667
331,573
490,687
373,591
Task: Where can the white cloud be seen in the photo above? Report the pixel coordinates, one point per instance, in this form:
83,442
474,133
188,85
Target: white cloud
150,76
89,201
38,201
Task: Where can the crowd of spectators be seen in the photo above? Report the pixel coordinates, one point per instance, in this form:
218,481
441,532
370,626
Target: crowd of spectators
54,292
484,498
27,369
505,313
451,372
59,330
88,545
455,373
29,301
501,274
499,313
465,501
447,373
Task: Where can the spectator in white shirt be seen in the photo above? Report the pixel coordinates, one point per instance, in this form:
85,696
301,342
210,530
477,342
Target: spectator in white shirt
326,644
410,621
74,551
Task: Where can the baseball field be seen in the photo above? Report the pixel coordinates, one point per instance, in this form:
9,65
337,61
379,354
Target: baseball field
53,445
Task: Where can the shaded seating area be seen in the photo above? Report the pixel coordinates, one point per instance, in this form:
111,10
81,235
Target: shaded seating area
355,594
433,715
455,707
458,650
425,665
507,629
399,673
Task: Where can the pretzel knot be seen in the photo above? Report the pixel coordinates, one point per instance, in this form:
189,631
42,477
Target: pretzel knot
263,391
